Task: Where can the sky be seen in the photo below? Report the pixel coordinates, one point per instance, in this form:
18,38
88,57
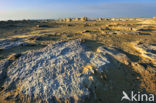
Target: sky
54,9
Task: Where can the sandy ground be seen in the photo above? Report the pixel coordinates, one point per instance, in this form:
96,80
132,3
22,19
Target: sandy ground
133,37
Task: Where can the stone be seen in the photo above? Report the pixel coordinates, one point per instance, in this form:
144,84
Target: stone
56,70
76,19
7,44
84,19
39,26
68,20
3,67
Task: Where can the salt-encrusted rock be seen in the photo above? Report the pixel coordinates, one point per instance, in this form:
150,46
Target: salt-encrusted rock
7,44
65,71
54,71
147,50
3,67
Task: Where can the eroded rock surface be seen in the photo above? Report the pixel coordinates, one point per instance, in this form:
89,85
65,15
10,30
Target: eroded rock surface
68,70
56,70
7,44
3,65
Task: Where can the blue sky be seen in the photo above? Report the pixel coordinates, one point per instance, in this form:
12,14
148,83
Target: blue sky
49,9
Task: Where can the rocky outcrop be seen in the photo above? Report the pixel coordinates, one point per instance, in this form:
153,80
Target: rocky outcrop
148,22
40,26
55,71
146,51
3,65
68,71
84,19
76,19
154,17
7,44
67,19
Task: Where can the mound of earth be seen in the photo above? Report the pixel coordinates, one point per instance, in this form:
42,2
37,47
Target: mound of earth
67,72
